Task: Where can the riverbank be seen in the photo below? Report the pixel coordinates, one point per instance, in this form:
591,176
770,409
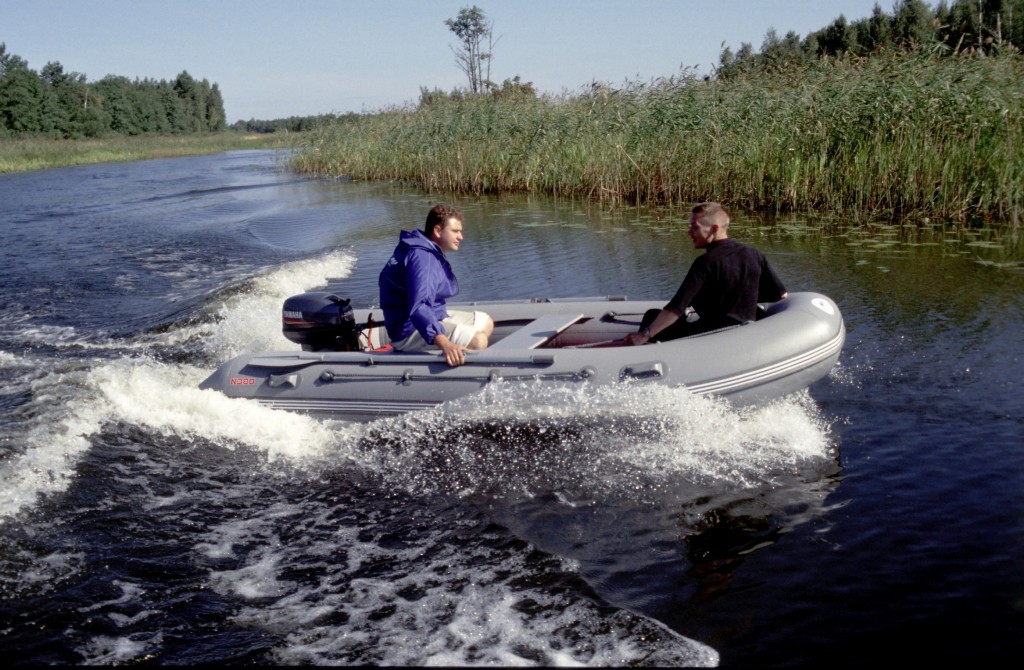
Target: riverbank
25,154
909,137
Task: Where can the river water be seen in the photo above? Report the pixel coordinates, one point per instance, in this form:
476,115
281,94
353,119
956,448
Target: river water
876,517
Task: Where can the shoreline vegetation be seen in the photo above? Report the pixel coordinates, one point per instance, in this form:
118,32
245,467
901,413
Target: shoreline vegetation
915,137
24,154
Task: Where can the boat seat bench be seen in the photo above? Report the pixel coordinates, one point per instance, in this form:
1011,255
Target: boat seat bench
537,332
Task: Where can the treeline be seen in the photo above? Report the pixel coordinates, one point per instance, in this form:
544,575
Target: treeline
981,27
293,124
58,104
510,88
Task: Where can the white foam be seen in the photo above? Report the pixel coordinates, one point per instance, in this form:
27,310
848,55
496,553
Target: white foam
70,402
52,442
251,320
595,440
425,605
109,649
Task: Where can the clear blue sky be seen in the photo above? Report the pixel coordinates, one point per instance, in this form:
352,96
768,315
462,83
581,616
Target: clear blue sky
278,58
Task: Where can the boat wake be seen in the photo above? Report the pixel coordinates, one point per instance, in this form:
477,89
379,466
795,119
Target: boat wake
619,442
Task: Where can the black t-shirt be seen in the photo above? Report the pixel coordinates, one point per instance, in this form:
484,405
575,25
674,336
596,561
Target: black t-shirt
725,285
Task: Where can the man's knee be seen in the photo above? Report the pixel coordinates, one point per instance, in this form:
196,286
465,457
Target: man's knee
483,336
479,340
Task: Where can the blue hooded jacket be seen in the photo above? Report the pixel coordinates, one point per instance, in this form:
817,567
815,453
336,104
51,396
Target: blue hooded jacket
414,285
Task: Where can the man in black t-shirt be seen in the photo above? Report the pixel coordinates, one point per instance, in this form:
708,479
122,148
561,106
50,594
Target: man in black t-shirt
723,286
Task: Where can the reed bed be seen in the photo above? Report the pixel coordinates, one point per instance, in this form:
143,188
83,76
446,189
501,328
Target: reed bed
24,154
900,136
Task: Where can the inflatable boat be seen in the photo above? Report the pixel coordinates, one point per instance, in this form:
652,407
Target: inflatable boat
346,369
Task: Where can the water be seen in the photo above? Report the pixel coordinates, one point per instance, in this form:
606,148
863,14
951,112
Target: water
875,517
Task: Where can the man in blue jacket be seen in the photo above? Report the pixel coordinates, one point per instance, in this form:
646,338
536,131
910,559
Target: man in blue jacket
414,285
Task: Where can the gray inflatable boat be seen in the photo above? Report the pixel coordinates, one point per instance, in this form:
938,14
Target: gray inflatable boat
347,370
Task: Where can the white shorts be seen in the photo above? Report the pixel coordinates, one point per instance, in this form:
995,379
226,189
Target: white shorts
460,327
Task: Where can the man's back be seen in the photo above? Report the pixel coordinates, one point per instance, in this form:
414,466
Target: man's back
726,283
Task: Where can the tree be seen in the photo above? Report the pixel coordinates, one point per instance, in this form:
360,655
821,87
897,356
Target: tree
27,104
473,30
837,38
779,51
912,24
119,102
72,95
58,105
515,88
172,107
878,30
7,60
21,95
215,117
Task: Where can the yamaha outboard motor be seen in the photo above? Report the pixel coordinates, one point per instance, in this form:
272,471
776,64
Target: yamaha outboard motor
320,321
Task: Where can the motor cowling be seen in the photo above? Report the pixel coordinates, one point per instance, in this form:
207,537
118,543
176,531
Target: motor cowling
320,321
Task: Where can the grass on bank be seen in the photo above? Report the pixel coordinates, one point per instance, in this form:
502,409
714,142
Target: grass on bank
892,135
24,154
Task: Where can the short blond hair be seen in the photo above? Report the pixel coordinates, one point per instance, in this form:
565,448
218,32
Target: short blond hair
711,213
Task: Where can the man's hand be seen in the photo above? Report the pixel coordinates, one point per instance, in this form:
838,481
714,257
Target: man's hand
453,353
634,339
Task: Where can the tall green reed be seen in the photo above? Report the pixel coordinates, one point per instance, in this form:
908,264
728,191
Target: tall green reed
892,135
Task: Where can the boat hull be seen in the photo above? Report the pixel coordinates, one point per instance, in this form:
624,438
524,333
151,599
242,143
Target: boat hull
562,341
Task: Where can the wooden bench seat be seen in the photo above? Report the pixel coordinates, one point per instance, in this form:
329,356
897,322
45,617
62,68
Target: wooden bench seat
537,332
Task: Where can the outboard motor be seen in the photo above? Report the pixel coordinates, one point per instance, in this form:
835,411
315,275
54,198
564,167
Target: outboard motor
320,321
